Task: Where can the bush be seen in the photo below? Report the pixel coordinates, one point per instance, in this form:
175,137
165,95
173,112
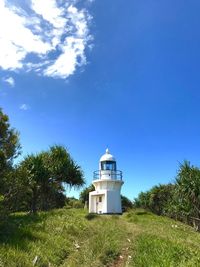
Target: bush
3,211
91,216
126,203
74,203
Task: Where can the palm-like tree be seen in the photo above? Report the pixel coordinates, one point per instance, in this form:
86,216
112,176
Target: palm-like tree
188,188
48,172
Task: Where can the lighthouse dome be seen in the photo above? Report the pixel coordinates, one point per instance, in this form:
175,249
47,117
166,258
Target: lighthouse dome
107,156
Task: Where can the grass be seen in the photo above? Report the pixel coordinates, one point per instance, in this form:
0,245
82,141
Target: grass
71,237
161,241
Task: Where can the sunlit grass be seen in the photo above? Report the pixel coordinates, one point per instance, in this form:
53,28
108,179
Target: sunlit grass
60,238
163,242
71,237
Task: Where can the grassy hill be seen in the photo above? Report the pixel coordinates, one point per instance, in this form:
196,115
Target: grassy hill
69,237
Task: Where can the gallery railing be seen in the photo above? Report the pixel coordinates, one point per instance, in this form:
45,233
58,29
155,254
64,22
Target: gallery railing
107,174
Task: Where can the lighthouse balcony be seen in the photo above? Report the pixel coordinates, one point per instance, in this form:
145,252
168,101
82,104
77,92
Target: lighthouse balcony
107,175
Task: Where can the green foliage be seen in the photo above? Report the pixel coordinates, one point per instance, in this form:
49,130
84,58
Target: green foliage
84,195
74,203
19,193
91,216
187,195
9,149
46,174
126,203
9,145
38,181
62,167
175,200
3,211
157,199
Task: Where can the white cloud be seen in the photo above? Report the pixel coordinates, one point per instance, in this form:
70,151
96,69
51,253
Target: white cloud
9,80
72,55
50,12
24,107
50,38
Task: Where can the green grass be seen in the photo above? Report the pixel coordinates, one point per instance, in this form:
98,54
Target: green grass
161,241
71,237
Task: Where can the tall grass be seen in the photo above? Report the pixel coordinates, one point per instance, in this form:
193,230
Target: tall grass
60,238
72,238
162,242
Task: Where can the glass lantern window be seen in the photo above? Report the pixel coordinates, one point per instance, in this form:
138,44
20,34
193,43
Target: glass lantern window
108,166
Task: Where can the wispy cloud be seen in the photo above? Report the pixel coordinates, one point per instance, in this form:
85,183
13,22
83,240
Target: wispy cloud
49,37
9,80
24,107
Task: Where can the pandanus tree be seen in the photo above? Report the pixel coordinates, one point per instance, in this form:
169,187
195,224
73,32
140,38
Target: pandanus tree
188,189
48,173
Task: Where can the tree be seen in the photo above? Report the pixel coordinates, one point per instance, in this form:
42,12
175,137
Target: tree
37,176
157,199
142,201
19,189
160,198
188,189
9,150
84,195
126,203
48,173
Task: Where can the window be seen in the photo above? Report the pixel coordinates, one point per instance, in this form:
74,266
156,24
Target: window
100,199
108,166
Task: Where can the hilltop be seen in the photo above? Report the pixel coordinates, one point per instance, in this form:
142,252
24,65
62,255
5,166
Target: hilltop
71,237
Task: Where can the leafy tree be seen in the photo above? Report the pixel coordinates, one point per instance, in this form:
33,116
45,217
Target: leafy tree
19,189
72,202
84,195
9,150
142,201
160,198
157,199
126,203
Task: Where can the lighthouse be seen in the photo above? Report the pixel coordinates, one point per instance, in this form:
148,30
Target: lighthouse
106,199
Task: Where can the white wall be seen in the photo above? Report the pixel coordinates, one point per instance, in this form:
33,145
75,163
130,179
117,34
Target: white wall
111,201
111,197
94,205
114,202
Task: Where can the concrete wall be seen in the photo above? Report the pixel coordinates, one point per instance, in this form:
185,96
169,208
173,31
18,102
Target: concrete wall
111,201
95,206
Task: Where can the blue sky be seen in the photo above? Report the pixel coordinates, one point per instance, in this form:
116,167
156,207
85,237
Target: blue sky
92,74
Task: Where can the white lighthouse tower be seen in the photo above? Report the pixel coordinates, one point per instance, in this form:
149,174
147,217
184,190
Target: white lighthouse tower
106,198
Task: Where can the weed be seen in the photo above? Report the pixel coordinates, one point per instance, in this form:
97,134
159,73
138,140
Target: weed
91,216
109,256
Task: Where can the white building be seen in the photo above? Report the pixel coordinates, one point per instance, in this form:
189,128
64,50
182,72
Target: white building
106,199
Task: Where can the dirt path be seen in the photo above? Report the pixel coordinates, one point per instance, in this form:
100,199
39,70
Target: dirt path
127,253
124,258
